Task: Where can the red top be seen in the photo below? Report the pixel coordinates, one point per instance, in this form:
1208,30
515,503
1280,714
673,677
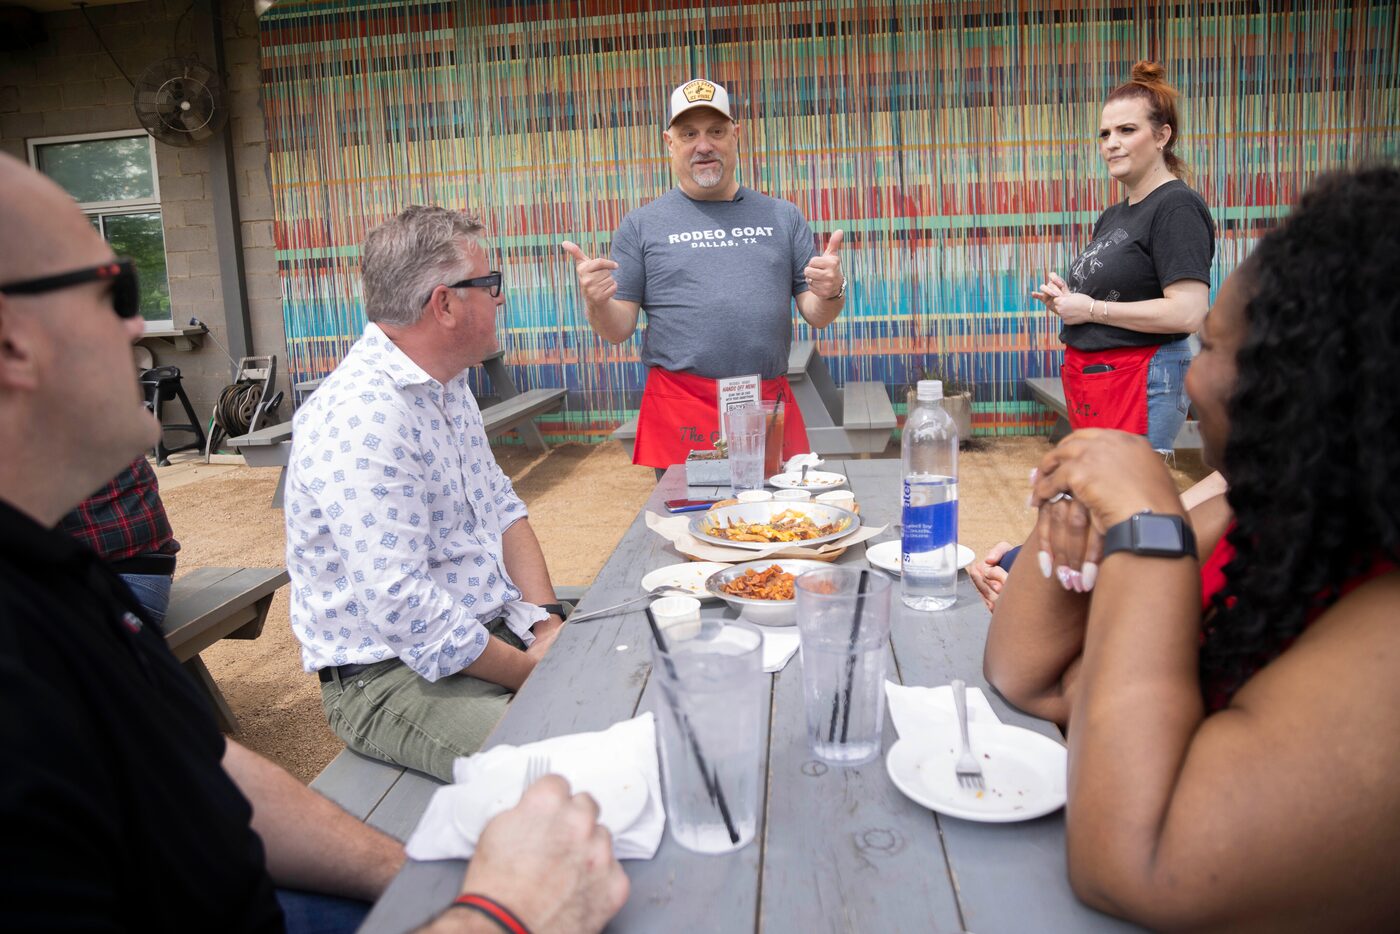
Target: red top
1213,581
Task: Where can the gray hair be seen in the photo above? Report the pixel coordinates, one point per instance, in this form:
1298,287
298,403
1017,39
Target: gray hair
405,258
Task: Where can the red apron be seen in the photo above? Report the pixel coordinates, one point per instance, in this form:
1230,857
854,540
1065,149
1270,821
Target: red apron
1113,399
680,414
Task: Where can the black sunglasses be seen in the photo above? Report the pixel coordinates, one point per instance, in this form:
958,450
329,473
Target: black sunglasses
126,292
491,281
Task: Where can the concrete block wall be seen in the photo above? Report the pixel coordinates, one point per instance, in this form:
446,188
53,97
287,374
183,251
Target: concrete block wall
69,85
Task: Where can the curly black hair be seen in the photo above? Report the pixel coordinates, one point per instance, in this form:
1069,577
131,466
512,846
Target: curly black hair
1313,453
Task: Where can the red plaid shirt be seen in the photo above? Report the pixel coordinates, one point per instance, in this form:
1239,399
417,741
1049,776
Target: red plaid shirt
125,518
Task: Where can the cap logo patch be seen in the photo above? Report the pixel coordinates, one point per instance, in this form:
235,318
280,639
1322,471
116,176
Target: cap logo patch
699,90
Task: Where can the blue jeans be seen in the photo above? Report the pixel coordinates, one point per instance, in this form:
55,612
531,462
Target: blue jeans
1167,402
309,913
152,592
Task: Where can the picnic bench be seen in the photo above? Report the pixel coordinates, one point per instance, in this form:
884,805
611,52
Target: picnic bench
212,604
514,411
1050,392
855,419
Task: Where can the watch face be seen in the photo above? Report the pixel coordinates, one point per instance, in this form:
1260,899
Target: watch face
1158,534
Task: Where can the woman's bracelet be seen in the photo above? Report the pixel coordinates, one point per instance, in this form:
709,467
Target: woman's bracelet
504,918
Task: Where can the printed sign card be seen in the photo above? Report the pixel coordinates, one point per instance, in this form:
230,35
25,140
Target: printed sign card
740,390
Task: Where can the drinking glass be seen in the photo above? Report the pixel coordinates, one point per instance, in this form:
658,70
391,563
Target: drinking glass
844,618
710,716
744,432
773,441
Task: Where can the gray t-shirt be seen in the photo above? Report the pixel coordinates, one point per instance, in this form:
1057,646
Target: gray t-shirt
716,279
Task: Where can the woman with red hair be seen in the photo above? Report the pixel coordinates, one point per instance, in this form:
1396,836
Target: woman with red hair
1141,286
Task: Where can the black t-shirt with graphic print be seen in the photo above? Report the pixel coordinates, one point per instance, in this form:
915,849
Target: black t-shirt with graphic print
1136,252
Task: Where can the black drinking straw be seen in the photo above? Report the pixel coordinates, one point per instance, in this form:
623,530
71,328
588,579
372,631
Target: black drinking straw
711,780
850,667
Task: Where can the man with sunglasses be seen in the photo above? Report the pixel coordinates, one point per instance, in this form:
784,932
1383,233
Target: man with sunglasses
125,807
419,591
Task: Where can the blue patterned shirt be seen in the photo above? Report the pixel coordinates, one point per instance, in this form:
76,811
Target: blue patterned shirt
395,510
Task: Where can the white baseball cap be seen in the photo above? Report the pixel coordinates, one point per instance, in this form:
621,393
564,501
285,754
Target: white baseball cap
699,92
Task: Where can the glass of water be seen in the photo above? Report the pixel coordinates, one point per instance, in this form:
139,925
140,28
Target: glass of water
843,615
710,731
744,430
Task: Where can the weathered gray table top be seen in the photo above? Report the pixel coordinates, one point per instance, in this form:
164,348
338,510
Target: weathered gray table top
839,849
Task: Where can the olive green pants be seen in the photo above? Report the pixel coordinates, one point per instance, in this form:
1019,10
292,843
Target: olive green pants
389,712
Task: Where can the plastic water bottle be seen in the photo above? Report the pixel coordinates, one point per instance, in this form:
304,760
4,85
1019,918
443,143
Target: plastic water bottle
930,543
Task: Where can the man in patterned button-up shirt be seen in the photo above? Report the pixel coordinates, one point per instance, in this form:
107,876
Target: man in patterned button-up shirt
419,591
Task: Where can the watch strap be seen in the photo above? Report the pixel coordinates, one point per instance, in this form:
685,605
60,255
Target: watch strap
554,609
1128,536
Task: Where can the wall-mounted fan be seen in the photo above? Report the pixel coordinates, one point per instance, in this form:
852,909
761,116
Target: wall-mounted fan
180,101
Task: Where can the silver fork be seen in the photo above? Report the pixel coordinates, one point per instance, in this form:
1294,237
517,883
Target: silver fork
536,768
968,768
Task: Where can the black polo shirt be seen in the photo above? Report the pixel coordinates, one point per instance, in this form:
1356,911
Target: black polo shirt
116,810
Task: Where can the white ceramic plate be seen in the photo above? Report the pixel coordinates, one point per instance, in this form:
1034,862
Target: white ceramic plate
621,793
689,576
886,556
817,481
1024,773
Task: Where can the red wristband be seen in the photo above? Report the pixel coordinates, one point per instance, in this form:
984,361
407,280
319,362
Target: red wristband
505,919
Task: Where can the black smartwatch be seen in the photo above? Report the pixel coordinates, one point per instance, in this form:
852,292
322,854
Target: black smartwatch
1151,535
553,609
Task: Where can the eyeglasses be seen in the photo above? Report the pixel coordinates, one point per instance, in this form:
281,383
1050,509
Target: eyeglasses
126,291
491,281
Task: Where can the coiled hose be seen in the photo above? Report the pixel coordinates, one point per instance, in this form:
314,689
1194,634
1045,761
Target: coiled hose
237,405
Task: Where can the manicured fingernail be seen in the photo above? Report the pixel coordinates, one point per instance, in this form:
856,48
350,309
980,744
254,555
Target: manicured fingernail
1091,574
1035,472
1076,581
1047,567
1064,574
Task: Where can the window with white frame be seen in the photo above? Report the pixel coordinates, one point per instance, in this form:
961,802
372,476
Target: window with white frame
113,178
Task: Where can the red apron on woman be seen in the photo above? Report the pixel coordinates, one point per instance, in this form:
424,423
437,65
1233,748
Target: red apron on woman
680,414
1115,398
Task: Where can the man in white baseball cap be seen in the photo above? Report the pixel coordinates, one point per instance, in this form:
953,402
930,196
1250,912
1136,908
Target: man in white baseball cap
717,267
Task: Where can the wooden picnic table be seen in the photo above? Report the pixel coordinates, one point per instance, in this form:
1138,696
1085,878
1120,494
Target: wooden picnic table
838,849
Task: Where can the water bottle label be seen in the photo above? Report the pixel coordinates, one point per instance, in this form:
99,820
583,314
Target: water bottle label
927,528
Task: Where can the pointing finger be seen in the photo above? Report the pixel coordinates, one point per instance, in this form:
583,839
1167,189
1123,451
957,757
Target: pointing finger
833,246
574,250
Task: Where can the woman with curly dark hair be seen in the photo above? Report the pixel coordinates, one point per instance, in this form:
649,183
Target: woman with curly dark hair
1142,284
1234,761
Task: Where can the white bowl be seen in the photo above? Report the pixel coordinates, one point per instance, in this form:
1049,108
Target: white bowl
842,498
677,616
797,495
753,496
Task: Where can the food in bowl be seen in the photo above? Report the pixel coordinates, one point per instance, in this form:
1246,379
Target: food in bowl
789,525
771,583
763,612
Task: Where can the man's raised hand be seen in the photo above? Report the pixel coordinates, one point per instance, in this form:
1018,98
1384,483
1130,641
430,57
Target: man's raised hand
594,275
823,273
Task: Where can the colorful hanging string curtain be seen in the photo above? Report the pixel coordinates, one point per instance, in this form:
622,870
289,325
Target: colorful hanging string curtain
952,141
